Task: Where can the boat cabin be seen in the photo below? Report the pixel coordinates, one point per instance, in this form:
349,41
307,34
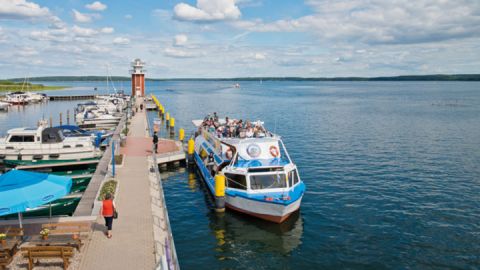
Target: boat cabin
35,135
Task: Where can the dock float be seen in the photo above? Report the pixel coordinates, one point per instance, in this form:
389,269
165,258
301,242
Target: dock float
60,164
62,98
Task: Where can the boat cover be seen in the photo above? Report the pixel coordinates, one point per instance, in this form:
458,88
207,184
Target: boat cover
51,135
21,190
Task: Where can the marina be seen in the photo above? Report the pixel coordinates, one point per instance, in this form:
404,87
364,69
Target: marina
239,134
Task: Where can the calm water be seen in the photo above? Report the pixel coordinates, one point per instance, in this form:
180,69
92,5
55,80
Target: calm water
392,172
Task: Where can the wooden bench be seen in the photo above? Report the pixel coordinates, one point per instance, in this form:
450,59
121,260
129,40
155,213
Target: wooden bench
78,230
68,228
5,259
13,232
47,252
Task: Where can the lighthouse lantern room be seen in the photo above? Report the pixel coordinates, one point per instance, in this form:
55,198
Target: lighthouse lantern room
138,78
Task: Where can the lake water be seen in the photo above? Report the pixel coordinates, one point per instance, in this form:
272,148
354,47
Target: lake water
392,172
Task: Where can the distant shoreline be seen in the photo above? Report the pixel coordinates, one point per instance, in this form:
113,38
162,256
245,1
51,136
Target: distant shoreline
9,85
435,77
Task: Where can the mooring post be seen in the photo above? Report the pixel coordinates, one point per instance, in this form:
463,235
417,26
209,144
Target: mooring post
51,121
68,117
60,116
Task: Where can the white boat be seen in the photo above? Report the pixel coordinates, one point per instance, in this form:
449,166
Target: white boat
4,106
261,179
33,97
17,98
44,145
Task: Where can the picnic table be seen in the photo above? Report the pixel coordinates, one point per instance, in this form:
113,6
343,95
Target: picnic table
54,240
7,252
10,247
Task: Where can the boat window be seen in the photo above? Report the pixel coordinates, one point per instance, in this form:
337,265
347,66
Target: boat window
17,138
28,138
292,178
237,181
264,181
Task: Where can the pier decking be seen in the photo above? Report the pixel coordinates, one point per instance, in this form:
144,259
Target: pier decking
138,236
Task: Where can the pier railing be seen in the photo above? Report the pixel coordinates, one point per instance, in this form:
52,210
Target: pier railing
169,260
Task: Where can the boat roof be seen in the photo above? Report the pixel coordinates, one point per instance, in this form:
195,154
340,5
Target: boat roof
23,130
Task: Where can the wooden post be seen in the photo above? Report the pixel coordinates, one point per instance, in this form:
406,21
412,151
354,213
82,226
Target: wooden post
51,121
60,119
68,117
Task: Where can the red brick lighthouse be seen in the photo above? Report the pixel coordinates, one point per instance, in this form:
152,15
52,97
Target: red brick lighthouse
138,78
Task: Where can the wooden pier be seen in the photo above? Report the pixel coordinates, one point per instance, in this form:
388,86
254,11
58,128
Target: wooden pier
63,98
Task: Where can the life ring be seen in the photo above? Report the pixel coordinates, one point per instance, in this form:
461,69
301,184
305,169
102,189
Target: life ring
274,151
229,153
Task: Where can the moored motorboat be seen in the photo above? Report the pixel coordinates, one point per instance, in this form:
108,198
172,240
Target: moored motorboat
23,146
17,98
261,179
4,106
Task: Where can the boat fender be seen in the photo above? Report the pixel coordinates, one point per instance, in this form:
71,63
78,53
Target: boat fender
274,151
229,153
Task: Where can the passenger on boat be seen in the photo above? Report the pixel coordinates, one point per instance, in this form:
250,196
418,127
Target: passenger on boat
210,162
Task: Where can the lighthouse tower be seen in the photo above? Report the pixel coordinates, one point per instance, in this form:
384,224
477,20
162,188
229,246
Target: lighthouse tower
138,78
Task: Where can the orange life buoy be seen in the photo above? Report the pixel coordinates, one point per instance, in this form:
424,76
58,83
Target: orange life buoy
274,151
229,153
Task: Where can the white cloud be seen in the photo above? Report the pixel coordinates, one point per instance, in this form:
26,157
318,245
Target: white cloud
21,10
260,56
208,10
107,30
380,22
180,40
128,17
83,17
97,6
178,53
26,51
83,32
121,41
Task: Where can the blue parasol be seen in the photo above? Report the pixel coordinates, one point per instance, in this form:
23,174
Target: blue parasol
20,190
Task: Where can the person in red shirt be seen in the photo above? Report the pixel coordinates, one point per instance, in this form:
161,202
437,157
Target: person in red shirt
108,208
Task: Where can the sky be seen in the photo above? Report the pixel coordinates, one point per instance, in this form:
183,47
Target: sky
239,38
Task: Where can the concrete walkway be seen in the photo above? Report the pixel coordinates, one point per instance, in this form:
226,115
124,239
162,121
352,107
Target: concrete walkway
132,244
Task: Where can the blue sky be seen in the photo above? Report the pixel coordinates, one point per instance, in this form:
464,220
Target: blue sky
237,38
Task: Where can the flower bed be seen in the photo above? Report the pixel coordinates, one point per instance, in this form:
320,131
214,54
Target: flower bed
108,187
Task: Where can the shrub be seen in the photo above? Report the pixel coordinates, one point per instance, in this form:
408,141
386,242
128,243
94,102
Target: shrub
108,187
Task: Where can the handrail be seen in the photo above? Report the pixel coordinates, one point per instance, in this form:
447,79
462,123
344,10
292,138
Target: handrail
169,260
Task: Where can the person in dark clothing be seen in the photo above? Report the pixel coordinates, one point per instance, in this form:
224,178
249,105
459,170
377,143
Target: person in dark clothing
141,107
155,141
210,163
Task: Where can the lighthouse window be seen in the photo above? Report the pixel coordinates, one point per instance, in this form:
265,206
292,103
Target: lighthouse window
237,181
265,181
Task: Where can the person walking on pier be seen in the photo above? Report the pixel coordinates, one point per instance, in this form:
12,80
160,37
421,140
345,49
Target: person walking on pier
108,209
155,142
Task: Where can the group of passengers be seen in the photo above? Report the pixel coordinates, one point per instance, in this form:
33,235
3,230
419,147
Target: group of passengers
233,128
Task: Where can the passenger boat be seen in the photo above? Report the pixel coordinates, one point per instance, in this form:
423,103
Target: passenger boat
42,145
261,179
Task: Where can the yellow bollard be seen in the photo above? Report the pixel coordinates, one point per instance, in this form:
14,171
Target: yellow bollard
181,134
190,150
191,146
172,122
167,116
220,193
